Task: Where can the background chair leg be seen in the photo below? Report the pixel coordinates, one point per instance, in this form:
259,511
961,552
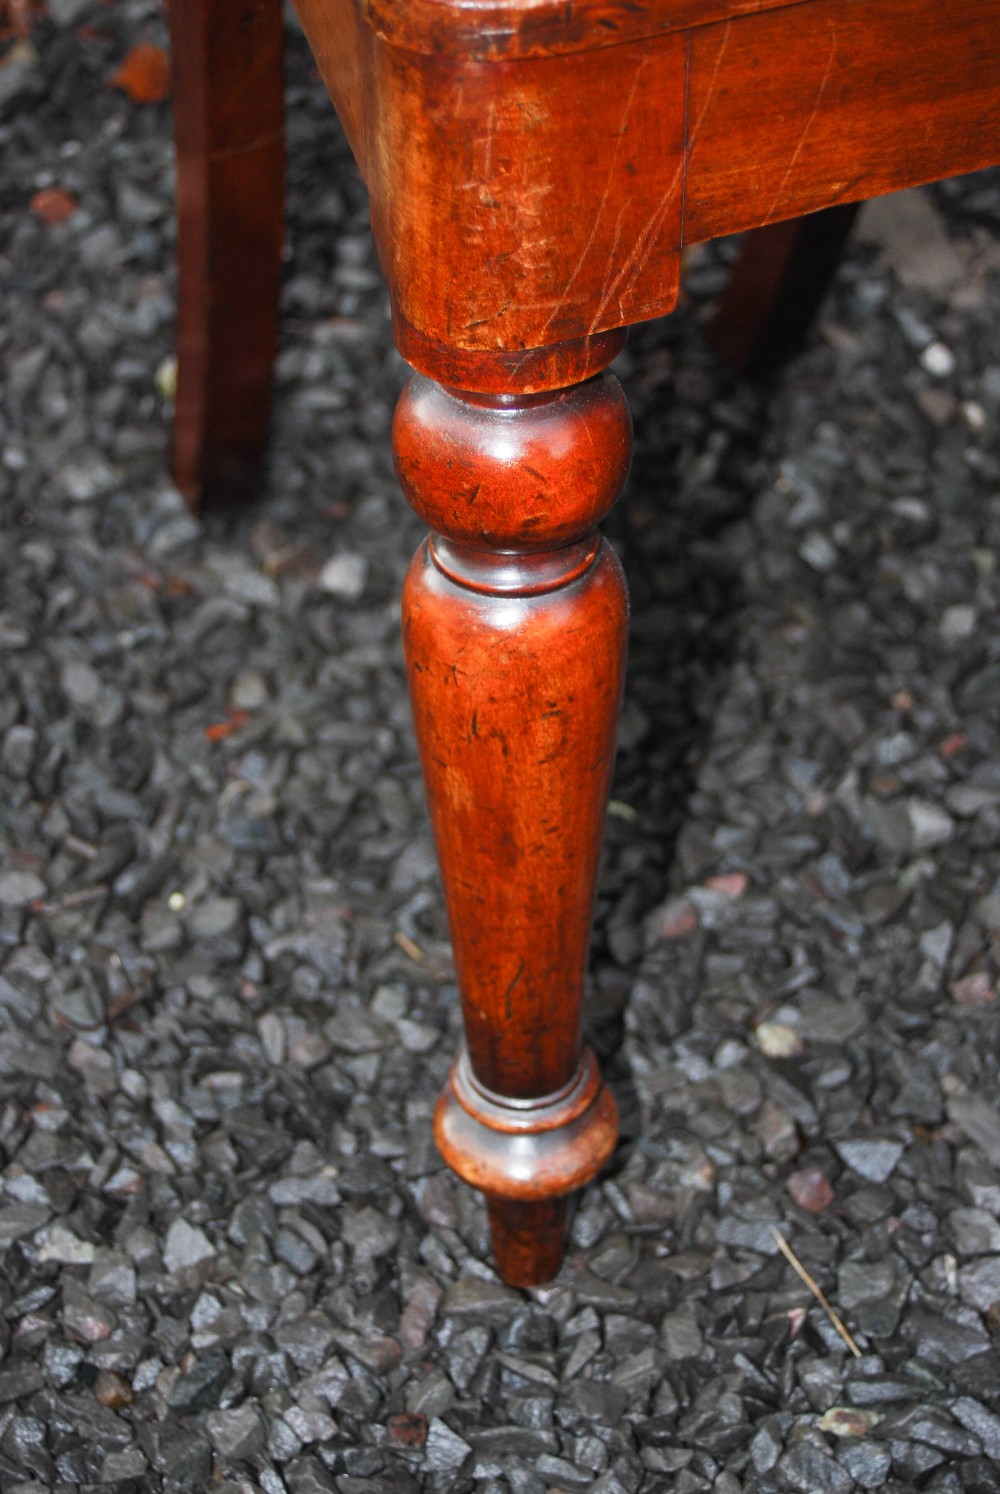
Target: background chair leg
776,287
227,65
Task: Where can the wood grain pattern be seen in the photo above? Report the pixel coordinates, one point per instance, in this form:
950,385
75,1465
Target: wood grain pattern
557,189
227,65
530,1238
515,708
514,619
506,167
836,100
517,371
487,30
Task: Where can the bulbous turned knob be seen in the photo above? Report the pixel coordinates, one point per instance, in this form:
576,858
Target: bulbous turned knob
523,476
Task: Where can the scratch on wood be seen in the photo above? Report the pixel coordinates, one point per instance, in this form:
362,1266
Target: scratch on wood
611,178
491,126
652,228
713,83
613,285
508,994
808,126
686,154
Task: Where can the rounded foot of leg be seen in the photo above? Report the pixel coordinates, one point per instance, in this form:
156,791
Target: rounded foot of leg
527,1238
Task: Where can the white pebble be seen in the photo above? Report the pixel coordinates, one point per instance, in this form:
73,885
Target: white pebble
929,824
186,1245
272,1036
18,888
938,360
957,622
817,551
80,682
249,691
61,1245
778,1040
344,576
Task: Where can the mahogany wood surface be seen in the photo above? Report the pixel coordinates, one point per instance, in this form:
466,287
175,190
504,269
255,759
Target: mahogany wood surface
558,186
531,195
535,169
527,1238
226,58
514,622
490,29
833,101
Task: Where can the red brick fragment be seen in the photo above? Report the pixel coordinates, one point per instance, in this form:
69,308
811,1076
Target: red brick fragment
408,1429
53,206
811,1189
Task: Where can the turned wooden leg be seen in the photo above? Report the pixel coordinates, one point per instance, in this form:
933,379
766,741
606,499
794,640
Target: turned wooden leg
514,620
226,58
776,288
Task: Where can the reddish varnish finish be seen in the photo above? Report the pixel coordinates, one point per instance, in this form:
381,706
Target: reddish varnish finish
509,168
524,371
831,101
491,29
530,194
226,58
527,1238
514,620
535,168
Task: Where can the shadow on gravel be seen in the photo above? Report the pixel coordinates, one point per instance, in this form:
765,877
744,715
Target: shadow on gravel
700,456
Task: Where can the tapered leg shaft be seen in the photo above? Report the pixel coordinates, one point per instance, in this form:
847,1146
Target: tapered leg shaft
514,624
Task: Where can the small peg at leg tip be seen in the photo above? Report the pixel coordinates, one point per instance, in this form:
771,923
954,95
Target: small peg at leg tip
527,1238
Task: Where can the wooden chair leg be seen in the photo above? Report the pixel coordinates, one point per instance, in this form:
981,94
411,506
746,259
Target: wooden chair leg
776,287
227,65
514,620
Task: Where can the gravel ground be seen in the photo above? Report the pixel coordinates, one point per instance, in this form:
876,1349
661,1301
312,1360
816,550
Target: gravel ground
229,1257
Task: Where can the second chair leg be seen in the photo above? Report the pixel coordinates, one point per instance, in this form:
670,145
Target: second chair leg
514,621
776,287
227,63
